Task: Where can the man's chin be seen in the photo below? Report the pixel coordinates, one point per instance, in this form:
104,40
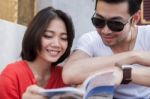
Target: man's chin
109,44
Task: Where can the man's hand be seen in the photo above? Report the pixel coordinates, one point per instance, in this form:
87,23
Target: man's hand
32,92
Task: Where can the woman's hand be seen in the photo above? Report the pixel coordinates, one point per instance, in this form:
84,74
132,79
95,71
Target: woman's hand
32,92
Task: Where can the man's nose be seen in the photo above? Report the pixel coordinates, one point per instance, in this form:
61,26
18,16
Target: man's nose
106,30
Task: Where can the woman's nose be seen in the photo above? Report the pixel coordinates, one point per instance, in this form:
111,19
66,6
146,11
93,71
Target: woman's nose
56,42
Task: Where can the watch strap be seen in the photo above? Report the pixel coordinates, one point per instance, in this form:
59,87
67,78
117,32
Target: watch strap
126,75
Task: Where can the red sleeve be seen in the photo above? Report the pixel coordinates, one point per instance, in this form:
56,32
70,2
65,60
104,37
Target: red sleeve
56,78
8,89
14,80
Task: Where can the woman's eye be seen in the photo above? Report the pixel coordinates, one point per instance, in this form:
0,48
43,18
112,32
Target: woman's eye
64,38
48,36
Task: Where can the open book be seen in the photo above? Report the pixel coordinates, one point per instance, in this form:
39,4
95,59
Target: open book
97,86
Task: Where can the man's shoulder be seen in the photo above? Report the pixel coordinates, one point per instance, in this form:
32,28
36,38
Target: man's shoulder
145,28
90,35
144,31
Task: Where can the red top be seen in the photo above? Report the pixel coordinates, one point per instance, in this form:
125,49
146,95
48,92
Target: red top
16,77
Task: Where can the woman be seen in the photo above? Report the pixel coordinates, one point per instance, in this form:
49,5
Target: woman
47,42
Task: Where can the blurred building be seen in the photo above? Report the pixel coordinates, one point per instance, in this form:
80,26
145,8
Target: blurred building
17,11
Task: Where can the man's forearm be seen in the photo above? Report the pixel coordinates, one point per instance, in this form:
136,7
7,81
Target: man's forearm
141,75
143,58
76,71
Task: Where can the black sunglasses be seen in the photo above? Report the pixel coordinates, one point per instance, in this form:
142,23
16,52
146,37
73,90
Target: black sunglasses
113,25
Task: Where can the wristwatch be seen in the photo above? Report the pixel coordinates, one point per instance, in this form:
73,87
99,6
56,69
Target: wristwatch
127,70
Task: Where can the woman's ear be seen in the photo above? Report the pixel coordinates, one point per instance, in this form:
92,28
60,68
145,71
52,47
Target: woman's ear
136,17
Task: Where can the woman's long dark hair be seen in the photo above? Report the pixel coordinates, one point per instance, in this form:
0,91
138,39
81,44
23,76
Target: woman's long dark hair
31,43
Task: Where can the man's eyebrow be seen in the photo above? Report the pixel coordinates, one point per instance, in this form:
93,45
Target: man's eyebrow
117,18
99,15
114,18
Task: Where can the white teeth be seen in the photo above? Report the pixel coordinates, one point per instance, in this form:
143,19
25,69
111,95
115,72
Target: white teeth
53,53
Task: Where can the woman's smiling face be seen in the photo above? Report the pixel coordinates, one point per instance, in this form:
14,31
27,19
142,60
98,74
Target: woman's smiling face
54,41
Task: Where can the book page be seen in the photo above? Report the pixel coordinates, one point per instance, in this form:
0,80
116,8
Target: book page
100,86
97,86
63,93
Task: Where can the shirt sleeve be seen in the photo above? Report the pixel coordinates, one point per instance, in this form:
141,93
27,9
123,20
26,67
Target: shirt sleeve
8,88
85,44
147,37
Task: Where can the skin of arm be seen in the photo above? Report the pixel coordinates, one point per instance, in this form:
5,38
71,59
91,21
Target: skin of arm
82,64
143,58
141,75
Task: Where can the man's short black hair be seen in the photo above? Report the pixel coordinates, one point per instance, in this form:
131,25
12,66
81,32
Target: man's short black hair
134,5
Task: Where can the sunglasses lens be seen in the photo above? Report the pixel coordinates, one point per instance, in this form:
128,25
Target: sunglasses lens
98,23
115,26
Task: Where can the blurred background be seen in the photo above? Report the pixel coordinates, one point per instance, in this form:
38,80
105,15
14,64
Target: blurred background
22,11
16,14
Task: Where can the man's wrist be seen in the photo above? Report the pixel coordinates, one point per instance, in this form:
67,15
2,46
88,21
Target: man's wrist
126,73
118,75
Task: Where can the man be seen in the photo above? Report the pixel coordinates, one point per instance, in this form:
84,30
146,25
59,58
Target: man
117,39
